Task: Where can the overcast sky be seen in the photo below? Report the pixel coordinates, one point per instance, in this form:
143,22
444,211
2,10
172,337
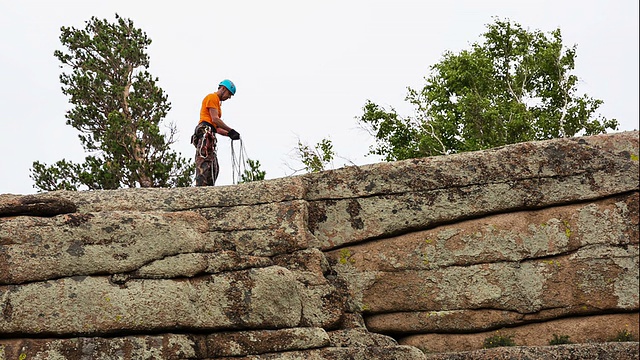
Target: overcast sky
303,69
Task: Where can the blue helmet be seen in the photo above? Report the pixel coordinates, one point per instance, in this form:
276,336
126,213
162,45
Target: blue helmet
229,85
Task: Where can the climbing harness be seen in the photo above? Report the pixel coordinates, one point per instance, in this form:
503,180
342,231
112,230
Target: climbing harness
207,146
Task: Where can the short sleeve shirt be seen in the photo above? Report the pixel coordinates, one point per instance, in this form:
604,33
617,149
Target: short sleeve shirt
210,101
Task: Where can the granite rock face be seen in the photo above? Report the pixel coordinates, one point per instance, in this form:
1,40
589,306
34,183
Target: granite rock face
416,259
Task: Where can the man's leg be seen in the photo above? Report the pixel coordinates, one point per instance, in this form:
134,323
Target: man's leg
215,169
204,171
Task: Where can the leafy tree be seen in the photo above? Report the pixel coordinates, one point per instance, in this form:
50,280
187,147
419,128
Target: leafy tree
315,159
253,173
517,85
118,108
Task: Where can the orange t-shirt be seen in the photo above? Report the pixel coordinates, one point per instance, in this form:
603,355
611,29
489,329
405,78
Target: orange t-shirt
210,101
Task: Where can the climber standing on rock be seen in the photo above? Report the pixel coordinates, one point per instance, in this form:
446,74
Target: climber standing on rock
204,136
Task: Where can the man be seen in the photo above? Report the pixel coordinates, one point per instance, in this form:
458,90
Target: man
204,138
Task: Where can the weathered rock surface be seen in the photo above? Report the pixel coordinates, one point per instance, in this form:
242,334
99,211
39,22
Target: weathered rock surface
168,346
418,259
253,299
609,351
353,204
516,267
82,244
590,329
35,205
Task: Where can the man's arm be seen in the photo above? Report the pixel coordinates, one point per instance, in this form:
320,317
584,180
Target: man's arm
218,121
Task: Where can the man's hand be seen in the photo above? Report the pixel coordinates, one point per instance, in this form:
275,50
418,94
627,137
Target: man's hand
234,135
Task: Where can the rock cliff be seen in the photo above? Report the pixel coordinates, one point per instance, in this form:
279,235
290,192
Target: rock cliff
418,259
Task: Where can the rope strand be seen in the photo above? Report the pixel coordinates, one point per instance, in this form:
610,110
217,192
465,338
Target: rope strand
239,162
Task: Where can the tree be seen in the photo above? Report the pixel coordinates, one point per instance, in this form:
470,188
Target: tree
317,158
253,173
515,86
118,108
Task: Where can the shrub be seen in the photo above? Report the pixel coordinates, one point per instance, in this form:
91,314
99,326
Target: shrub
623,336
499,340
559,340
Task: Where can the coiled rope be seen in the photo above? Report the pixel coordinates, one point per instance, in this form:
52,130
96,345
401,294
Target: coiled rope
238,162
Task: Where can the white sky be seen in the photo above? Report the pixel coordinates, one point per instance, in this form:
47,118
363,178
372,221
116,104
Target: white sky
303,69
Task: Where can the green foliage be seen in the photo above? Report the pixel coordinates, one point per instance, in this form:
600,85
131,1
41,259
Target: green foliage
398,138
498,340
253,173
345,257
559,340
623,336
317,158
513,87
118,108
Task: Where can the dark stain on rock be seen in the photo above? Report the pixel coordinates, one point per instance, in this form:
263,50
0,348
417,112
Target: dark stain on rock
110,229
288,211
428,198
554,160
119,279
317,214
353,209
228,243
370,186
413,204
121,257
7,310
357,224
77,219
239,298
246,299
5,265
633,206
76,249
